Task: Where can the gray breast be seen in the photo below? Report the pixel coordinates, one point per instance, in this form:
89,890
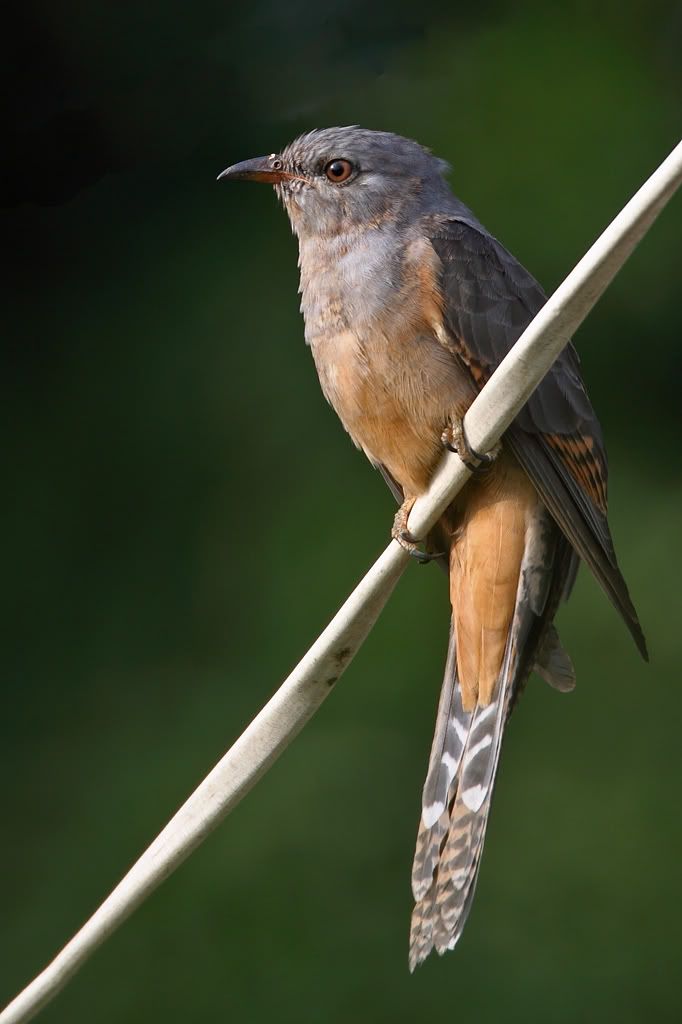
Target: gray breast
349,280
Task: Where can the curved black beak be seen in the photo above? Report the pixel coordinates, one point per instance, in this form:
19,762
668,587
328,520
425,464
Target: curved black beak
259,169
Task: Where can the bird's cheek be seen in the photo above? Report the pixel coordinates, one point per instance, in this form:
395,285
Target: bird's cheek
303,204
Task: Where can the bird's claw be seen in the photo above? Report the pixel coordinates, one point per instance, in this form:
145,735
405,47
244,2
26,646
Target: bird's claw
455,440
407,541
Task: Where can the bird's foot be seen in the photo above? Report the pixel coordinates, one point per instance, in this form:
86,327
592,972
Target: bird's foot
402,535
455,440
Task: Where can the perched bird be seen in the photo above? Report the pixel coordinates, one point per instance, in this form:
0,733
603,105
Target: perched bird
409,305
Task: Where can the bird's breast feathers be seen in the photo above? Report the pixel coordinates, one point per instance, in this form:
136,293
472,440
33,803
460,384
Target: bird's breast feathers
386,371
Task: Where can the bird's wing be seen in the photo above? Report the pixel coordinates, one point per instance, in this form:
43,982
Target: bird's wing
488,300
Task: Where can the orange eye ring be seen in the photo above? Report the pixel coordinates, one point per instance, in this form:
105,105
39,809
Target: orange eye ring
338,171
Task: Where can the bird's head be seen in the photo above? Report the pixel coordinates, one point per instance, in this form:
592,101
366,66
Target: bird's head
333,180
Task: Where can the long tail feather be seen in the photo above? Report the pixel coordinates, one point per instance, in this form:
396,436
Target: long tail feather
466,748
452,730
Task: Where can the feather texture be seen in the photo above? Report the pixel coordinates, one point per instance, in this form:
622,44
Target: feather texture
409,305
466,749
489,299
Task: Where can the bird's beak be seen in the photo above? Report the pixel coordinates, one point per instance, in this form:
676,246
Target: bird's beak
259,169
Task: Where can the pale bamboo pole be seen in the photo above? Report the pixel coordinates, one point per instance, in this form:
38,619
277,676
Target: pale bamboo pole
312,680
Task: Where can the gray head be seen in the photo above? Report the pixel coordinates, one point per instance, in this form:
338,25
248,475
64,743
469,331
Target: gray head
339,179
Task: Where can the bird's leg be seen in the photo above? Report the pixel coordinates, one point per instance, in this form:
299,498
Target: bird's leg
455,440
402,535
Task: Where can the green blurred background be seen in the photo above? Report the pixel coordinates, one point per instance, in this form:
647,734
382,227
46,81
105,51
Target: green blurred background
183,514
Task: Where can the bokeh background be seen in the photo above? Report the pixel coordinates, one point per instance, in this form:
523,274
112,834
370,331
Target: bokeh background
183,514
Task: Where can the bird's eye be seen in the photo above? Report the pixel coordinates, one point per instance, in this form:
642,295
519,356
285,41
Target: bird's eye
276,164
338,171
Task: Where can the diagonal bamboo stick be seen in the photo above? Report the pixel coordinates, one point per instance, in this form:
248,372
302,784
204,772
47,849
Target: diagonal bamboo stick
312,680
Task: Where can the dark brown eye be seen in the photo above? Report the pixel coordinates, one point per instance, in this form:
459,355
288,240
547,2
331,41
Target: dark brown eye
338,170
276,164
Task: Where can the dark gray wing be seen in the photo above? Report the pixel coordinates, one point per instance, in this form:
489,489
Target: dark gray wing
489,299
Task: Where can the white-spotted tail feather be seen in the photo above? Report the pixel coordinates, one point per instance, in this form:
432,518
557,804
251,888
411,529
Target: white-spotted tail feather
452,729
465,756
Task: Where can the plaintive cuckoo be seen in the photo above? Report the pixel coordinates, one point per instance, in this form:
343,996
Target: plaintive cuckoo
409,305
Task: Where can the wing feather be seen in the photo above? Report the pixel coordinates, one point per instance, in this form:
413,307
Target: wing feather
489,299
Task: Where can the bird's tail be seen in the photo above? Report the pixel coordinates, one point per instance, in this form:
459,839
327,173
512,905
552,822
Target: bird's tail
466,749
456,802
